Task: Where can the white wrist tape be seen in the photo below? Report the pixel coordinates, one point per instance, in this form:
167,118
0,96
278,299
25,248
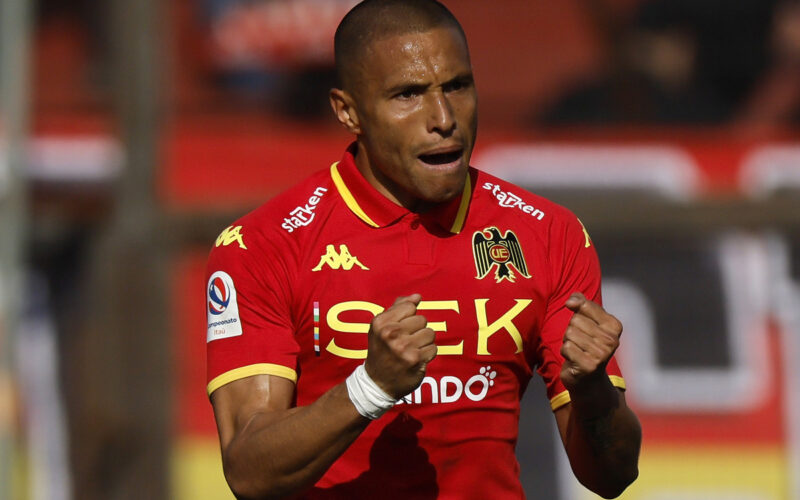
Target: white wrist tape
368,398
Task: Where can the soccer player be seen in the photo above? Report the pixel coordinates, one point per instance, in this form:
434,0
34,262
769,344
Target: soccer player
372,330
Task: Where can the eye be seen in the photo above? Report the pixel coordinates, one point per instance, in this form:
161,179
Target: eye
453,86
457,84
407,94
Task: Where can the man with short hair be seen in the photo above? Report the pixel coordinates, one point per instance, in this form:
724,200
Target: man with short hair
372,330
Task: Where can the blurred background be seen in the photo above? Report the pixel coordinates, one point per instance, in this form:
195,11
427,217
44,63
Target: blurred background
133,132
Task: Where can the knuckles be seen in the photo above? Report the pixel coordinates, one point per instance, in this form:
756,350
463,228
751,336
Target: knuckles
566,347
588,343
612,343
611,325
615,326
416,322
388,331
608,342
387,326
379,322
412,357
571,331
400,345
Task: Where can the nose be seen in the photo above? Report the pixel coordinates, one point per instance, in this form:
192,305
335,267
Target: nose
440,118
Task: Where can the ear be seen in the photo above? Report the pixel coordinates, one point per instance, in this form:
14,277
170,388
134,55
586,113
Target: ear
345,110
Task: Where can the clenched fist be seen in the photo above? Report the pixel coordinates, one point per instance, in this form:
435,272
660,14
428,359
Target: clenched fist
400,347
590,340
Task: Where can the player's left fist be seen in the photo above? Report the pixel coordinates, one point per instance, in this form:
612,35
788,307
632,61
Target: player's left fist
590,340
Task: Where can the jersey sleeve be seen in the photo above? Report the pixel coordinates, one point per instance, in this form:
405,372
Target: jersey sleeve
575,268
249,325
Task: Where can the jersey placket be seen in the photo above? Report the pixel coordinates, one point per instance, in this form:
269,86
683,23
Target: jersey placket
419,243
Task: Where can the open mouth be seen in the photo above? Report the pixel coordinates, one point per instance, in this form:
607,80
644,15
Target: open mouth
441,158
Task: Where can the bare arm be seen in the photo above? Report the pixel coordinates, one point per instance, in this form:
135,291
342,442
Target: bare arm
601,435
271,450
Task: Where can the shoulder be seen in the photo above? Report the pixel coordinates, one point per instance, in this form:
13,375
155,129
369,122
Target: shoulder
558,234
277,225
562,245
502,197
293,209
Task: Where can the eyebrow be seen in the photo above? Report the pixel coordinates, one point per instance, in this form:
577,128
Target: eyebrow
466,77
402,87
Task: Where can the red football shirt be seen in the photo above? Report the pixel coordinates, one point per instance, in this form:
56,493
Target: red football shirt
293,286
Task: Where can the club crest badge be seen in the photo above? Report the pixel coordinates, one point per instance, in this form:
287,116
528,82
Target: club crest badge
501,253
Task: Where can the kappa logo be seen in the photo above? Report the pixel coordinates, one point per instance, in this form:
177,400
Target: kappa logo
491,250
510,200
303,215
229,235
341,260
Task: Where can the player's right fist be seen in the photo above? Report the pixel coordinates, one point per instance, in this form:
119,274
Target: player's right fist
400,346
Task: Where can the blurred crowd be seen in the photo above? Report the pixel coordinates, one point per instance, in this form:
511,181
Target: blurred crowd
690,62
673,62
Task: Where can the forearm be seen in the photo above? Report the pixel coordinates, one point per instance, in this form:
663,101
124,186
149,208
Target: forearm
603,437
272,450
276,454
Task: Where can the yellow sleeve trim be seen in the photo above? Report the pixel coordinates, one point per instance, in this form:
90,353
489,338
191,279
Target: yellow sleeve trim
458,223
618,382
562,398
559,400
249,371
348,198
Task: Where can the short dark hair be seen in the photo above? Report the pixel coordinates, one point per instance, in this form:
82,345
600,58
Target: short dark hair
373,20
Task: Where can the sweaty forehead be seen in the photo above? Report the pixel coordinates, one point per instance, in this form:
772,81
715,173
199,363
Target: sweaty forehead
410,55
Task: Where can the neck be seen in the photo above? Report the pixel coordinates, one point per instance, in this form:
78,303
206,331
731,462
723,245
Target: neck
386,186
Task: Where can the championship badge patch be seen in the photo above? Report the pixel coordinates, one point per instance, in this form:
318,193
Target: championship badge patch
503,253
222,308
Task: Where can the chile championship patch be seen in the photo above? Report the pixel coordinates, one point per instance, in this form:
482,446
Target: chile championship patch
221,306
503,253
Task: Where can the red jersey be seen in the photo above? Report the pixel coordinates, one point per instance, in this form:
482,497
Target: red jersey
293,286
